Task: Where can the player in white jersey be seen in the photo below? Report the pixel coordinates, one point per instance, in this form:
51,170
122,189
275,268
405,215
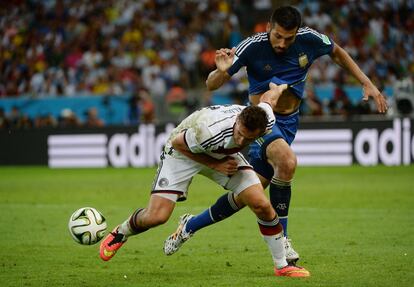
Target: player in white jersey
208,142
211,132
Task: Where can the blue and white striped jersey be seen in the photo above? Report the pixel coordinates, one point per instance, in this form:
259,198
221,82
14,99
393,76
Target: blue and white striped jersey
210,130
263,63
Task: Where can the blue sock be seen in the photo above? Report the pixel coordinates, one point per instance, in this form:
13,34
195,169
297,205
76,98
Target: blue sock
199,221
280,193
284,222
224,207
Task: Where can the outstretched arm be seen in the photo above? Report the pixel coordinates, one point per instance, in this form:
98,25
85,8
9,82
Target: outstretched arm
342,58
268,102
224,59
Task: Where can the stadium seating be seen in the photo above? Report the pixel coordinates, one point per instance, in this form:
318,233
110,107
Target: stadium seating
159,45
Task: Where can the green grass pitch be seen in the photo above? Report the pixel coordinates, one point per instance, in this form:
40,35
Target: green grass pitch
353,226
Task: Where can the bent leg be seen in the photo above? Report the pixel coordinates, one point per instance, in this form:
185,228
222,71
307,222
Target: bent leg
270,228
283,160
170,184
255,199
158,212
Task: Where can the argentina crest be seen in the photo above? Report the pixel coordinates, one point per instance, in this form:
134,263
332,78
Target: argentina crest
303,60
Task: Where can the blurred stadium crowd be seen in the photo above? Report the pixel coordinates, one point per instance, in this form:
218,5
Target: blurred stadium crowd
158,50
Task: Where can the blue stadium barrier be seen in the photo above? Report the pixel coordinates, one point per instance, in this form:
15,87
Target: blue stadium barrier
112,109
323,92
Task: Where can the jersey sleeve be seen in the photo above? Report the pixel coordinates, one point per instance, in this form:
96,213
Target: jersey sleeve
270,116
198,137
319,43
240,57
193,139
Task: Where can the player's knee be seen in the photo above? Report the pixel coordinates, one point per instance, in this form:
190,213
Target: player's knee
287,166
239,202
283,162
290,164
262,209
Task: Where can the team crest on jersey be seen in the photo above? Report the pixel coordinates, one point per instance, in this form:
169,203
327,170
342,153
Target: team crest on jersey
163,182
267,68
303,60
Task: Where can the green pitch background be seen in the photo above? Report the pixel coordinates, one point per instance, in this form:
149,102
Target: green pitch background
353,226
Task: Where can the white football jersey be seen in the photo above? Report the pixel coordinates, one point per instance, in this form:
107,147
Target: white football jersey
210,130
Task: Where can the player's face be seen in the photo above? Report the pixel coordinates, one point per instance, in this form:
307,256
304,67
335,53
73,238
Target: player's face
280,38
242,136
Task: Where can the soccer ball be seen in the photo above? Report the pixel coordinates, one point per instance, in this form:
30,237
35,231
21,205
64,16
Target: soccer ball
87,226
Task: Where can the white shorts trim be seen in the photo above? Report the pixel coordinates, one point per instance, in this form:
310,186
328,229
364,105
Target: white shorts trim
170,196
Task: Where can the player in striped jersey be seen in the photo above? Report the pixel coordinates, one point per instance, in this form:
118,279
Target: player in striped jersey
208,142
283,55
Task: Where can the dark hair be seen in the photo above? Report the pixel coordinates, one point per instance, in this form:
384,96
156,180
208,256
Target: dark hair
287,17
254,118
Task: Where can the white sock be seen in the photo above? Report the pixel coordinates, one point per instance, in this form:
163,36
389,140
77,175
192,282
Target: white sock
277,249
125,229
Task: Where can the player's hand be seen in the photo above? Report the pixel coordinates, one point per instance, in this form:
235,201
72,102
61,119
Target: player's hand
224,59
370,90
277,89
272,95
227,165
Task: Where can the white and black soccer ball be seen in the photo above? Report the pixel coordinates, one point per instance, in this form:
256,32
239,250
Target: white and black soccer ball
87,225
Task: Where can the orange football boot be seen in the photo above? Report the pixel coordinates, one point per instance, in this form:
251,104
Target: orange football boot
111,244
292,271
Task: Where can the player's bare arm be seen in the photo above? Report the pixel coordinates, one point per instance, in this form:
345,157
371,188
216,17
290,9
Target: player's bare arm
224,59
273,94
342,58
287,102
227,165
